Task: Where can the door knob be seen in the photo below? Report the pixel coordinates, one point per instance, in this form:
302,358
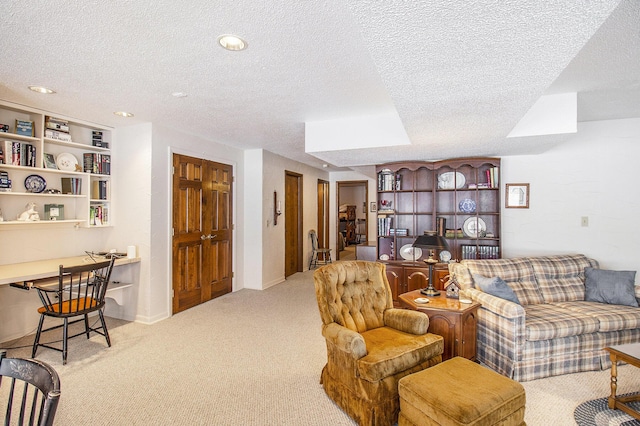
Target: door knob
207,237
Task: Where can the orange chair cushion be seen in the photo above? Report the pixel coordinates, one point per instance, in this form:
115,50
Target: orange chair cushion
70,306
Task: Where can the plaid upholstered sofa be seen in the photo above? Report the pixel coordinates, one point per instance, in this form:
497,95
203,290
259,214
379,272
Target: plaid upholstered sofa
553,330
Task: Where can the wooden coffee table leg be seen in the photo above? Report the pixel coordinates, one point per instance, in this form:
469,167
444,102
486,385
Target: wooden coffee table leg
611,402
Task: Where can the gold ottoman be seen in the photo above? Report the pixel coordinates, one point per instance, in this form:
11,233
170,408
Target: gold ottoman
460,392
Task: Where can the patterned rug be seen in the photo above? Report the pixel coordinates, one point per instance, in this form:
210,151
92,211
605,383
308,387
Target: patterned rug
597,413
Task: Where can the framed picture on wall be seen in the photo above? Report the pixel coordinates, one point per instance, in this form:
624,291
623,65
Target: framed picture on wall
373,206
517,196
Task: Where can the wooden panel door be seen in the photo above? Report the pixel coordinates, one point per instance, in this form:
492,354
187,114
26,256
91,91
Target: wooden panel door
201,248
293,223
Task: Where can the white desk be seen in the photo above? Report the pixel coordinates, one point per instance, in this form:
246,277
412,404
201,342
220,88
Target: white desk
20,273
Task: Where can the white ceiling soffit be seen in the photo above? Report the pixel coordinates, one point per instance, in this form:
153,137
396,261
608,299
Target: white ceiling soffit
550,115
370,131
461,74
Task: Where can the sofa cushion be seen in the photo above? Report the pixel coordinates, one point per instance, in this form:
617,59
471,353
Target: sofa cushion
610,317
551,321
390,351
561,278
516,272
614,287
496,287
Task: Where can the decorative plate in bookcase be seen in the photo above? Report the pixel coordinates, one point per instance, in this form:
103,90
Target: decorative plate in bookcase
35,183
445,256
474,227
408,252
66,162
467,205
451,180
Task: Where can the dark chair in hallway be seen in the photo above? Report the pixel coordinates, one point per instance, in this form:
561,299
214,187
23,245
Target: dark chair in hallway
319,255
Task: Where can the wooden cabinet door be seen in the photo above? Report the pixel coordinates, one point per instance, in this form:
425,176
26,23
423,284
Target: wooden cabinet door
396,282
468,336
440,278
444,324
416,278
202,228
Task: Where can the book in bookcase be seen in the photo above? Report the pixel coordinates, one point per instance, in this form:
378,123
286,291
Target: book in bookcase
71,185
99,214
97,163
19,154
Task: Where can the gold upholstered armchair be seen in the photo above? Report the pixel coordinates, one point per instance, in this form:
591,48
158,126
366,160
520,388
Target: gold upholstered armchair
370,344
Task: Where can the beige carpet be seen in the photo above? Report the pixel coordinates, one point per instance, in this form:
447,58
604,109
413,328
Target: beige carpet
248,358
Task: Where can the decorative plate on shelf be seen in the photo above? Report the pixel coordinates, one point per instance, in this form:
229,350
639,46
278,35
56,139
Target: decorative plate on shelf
474,227
408,252
451,180
66,162
384,257
35,183
445,256
467,205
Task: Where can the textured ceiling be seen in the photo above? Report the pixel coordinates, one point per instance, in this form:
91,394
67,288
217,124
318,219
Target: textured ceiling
459,74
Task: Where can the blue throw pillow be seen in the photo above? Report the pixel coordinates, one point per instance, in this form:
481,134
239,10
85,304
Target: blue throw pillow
613,287
496,286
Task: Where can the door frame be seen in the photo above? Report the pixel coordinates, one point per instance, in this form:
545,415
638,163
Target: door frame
350,183
169,237
323,194
298,220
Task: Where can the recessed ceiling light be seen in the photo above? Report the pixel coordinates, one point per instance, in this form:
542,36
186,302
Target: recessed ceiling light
179,95
123,114
232,42
41,89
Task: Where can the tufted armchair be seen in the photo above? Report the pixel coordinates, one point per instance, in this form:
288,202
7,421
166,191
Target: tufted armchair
370,344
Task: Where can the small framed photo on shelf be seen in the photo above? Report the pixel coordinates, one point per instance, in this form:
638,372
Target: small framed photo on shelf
49,161
54,212
517,196
373,207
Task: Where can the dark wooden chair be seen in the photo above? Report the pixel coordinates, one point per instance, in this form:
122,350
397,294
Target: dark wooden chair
80,290
318,254
33,391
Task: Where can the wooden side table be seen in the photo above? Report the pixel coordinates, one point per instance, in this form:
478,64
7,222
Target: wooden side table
454,321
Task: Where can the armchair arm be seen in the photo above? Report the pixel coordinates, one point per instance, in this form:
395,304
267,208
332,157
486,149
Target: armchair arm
406,320
346,340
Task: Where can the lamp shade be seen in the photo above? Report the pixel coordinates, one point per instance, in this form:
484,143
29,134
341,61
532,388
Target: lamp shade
433,242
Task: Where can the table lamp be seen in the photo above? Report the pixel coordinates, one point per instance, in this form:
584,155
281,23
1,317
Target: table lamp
431,242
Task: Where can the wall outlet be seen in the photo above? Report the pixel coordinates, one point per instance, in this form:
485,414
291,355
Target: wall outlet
584,221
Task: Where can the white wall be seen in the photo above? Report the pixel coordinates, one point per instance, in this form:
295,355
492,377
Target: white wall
143,198
274,167
594,174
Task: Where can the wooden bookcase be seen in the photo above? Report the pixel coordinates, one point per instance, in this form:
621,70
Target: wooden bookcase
94,188
458,198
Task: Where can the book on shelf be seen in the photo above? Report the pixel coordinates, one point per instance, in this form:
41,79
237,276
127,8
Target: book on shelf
388,181
492,174
441,223
97,163
384,226
99,190
454,233
19,154
57,124
57,135
480,252
98,215
24,128
71,186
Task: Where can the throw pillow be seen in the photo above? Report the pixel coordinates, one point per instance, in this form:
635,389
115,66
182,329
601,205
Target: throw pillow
496,286
613,287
